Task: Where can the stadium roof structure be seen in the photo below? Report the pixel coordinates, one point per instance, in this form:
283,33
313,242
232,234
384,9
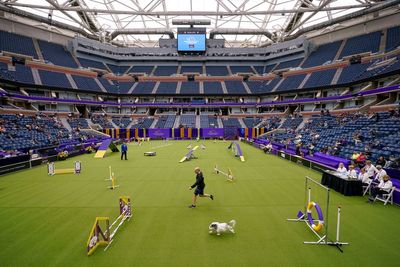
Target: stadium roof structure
239,22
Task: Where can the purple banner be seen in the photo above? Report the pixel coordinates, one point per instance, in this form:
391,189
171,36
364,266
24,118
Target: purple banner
159,133
211,132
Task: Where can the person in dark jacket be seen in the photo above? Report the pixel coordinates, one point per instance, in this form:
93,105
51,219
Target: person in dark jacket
199,185
124,150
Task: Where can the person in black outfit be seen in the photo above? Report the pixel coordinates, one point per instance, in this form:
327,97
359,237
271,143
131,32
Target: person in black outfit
200,185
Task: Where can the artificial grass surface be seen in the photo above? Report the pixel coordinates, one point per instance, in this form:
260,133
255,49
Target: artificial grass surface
45,220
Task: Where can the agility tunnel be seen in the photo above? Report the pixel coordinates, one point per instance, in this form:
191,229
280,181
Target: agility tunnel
235,147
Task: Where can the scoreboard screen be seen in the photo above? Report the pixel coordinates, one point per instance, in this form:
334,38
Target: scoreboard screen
191,39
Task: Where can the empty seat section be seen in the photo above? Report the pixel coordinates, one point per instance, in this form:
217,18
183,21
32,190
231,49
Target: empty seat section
22,74
167,88
86,83
192,69
188,121
258,87
144,88
231,122
241,69
235,87
111,88
212,88
118,70
124,87
57,54
166,121
55,79
17,44
289,64
165,70
190,88
320,78
393,38
324,53
360,44
141,69
291,82
217,70
350,73
259,69
88,63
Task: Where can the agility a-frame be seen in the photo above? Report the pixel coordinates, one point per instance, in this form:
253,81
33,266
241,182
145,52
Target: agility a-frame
320,202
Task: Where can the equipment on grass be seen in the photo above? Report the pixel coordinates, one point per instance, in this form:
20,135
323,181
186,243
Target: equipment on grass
319,225
228,174
189,155
113,182
202,146
150,153
51,169
237,150
101,151
102,233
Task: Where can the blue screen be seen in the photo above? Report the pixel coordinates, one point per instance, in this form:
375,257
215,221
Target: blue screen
191,42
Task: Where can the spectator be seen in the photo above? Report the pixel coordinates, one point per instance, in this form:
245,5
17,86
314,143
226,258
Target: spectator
370,169
380,173
380,161
341,169
352,174
384,187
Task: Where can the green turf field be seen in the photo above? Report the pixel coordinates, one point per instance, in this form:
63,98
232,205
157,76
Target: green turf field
45,220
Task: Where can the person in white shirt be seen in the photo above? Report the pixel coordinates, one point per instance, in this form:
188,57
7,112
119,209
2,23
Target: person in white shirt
363,177
370,169
380,173
384,187
341,169
351,173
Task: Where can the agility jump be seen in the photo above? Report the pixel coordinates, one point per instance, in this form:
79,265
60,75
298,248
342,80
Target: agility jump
236,150
112,178
228,174
102,233
318,226
190,155
51,169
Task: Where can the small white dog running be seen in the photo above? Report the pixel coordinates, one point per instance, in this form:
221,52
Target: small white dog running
218,228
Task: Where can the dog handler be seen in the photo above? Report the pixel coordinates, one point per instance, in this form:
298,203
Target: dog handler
200,185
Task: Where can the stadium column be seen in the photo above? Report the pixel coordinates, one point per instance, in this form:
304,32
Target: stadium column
190,133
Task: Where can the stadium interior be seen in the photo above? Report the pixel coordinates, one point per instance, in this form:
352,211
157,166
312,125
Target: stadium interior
324,87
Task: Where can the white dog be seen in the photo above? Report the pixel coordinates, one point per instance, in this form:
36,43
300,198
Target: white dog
218,228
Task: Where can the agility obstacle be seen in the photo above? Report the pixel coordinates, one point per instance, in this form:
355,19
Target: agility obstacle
51,169
112,179
235,147
228,174
318,226
102,233
190,155
102,150
150,153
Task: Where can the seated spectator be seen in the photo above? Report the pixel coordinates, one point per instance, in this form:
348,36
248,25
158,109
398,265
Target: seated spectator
370,169
380,161
383,187
380,173
351,173
363,177
341,169
391,163
361,160
355,156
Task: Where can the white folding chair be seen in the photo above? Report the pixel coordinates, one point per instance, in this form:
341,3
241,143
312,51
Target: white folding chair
367,189
388,197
